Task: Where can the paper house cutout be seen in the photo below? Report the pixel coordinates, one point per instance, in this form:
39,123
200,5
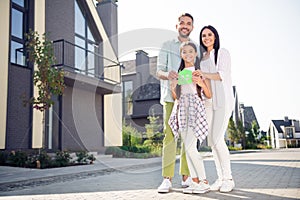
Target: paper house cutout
185,77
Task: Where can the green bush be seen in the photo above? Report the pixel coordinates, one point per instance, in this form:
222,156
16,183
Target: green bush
231,148
131,152
41,159
17,158
62,159
82,157
3,157
91,158
205,148
44,159
131,137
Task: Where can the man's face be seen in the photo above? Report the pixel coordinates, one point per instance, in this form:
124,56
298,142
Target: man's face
185,26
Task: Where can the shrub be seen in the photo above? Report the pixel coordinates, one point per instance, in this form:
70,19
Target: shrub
62,159
17,158
131,136
205,148
82,156
3,157
231,148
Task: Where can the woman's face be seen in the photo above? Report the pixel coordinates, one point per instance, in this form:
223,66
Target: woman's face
188,54
208,38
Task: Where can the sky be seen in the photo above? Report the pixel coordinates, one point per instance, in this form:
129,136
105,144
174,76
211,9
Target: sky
262,36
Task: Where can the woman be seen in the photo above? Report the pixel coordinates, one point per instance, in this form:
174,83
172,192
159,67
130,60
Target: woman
216,67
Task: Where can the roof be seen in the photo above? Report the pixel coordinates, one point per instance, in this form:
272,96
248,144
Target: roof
249,117
278,123
130,66
149,91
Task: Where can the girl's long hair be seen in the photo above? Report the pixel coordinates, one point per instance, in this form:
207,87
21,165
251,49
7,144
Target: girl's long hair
182,66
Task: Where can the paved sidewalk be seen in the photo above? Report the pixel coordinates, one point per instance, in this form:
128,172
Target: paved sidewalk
104,164
269,174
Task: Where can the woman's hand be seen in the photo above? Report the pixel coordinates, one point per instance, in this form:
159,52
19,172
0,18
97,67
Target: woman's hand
198,72
197,78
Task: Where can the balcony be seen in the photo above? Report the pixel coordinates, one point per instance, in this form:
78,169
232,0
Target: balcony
87,66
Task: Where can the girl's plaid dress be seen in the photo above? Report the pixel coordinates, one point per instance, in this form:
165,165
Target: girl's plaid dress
189,111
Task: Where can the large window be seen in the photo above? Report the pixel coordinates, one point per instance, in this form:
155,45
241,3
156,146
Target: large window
85,44
289,132
19,25
127,97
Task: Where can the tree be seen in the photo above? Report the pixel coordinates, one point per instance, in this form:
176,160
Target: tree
241,133
153,128
48,79
255,130
131,136
232,131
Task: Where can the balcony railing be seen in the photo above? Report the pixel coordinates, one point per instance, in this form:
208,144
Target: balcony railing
74,58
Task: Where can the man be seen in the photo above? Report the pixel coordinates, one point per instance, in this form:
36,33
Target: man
167,67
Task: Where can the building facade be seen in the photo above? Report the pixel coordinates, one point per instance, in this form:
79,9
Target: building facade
88,115
141,91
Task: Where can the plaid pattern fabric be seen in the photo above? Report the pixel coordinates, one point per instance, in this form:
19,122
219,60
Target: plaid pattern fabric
192,105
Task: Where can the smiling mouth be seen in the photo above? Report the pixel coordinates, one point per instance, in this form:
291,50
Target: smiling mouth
184,29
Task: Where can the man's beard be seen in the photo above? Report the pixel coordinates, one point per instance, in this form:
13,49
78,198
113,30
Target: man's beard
184,36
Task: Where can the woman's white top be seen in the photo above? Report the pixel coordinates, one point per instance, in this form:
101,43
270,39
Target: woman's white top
222,91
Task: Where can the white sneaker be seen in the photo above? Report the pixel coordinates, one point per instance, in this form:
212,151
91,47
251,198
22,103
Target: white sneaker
165,186
187,182
216,185
227,186
196,188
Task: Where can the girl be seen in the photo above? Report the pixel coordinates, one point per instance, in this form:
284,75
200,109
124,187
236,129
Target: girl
188,116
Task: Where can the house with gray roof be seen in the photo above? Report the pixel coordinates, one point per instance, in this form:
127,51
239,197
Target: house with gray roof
284,133
141,90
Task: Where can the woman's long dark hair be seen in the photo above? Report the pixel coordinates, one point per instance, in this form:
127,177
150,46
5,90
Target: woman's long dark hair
182,66
217,41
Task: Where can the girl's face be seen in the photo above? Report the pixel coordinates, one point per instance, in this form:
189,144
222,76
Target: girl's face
208,38
188,54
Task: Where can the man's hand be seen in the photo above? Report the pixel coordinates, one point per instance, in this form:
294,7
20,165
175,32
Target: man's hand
172,75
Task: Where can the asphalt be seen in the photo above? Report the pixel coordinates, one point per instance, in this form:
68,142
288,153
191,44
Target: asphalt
263,174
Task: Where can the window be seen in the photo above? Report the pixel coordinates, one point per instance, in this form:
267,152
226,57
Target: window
85,44
289,132
19,25
127,97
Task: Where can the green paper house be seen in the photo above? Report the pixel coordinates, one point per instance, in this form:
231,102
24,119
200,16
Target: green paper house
185,77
